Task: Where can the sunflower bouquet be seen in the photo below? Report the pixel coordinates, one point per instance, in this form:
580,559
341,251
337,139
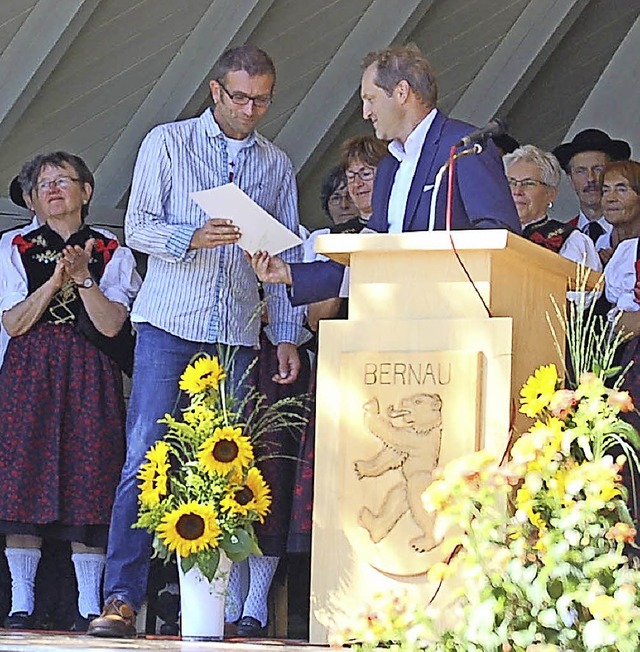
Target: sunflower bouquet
200,488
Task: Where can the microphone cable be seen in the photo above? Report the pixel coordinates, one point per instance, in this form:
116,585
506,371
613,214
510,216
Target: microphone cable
476,149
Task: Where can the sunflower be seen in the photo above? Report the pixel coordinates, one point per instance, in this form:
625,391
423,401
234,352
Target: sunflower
226,450
537,392
205,372
190,529
252,496
154,475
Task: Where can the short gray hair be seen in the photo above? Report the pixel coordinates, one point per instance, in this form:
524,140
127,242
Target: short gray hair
546,162
398,63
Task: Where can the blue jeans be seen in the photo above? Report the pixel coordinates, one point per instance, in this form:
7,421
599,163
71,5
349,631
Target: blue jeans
160,359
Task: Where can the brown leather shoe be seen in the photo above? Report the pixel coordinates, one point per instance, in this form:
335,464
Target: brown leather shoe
118,620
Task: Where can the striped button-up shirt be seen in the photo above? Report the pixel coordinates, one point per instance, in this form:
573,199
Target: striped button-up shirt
206,295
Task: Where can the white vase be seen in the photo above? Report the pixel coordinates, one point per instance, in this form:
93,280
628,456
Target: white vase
202,602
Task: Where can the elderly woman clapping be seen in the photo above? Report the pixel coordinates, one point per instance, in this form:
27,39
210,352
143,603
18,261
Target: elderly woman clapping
65,292
534,176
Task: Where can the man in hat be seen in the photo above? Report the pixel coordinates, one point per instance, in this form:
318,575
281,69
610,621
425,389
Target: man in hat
583,159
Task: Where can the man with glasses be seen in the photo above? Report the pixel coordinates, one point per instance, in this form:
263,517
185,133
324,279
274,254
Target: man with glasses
199,294
583,159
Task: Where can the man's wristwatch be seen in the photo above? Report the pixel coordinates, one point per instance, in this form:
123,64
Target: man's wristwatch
86,283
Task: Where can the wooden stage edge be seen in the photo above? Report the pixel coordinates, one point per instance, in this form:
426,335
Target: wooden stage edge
64,642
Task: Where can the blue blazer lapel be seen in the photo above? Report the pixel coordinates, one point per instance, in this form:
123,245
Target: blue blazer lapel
424,173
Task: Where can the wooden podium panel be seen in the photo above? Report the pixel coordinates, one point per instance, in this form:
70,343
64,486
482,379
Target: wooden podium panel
419,374
449,366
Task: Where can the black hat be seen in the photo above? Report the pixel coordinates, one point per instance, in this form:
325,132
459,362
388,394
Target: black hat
592,140
15,192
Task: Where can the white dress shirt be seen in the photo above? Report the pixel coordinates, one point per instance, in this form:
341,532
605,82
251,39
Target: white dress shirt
604,241
620,277
408,154
5,252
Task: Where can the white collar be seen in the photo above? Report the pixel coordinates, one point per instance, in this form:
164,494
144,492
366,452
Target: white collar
538,220
412,147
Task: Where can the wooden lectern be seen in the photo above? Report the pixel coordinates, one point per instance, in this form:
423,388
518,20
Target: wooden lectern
418,375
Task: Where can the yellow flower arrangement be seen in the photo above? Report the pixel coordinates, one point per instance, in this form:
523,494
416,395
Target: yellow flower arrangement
200,488
551,572
540,547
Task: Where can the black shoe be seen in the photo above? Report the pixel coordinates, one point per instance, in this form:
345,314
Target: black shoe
81,624
250,627
169,629
19,620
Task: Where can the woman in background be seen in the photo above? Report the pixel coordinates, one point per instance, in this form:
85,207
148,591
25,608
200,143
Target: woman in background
534,177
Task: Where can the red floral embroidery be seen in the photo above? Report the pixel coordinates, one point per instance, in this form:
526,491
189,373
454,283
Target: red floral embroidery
554,243
22,244
106,249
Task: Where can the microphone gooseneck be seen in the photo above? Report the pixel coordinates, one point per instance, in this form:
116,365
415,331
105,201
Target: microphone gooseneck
495,127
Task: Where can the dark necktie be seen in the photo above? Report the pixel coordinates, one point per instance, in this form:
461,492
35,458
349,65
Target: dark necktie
594,231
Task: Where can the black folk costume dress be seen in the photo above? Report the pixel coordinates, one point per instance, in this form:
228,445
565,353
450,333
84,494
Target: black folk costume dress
548,233
61,400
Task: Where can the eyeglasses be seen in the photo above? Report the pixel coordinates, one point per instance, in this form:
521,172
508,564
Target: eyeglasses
242,99
338,197
365,174
61,183
527,184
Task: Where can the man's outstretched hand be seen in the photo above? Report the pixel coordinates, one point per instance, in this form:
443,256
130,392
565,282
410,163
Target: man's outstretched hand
270,269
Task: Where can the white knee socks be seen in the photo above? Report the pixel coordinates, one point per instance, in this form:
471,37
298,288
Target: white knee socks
23,565
233,600
261,572
89,568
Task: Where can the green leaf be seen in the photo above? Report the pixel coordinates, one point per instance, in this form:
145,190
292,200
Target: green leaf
208,563
555,589
160,549
255,550
187,563
238,545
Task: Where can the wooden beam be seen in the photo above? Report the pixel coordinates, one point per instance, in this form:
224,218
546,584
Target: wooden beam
34,52
222,24
315,117
612,104
517,59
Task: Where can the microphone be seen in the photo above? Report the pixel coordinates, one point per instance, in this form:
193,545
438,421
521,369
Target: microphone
495,127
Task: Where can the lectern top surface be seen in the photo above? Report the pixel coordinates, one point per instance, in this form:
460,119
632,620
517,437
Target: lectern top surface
341,247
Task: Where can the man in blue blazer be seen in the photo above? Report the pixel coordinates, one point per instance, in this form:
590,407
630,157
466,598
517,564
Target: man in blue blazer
399,96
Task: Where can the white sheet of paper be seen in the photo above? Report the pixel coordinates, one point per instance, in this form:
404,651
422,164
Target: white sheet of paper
260,231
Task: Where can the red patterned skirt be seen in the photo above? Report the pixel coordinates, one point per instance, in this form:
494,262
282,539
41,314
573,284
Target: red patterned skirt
277,451
62,415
